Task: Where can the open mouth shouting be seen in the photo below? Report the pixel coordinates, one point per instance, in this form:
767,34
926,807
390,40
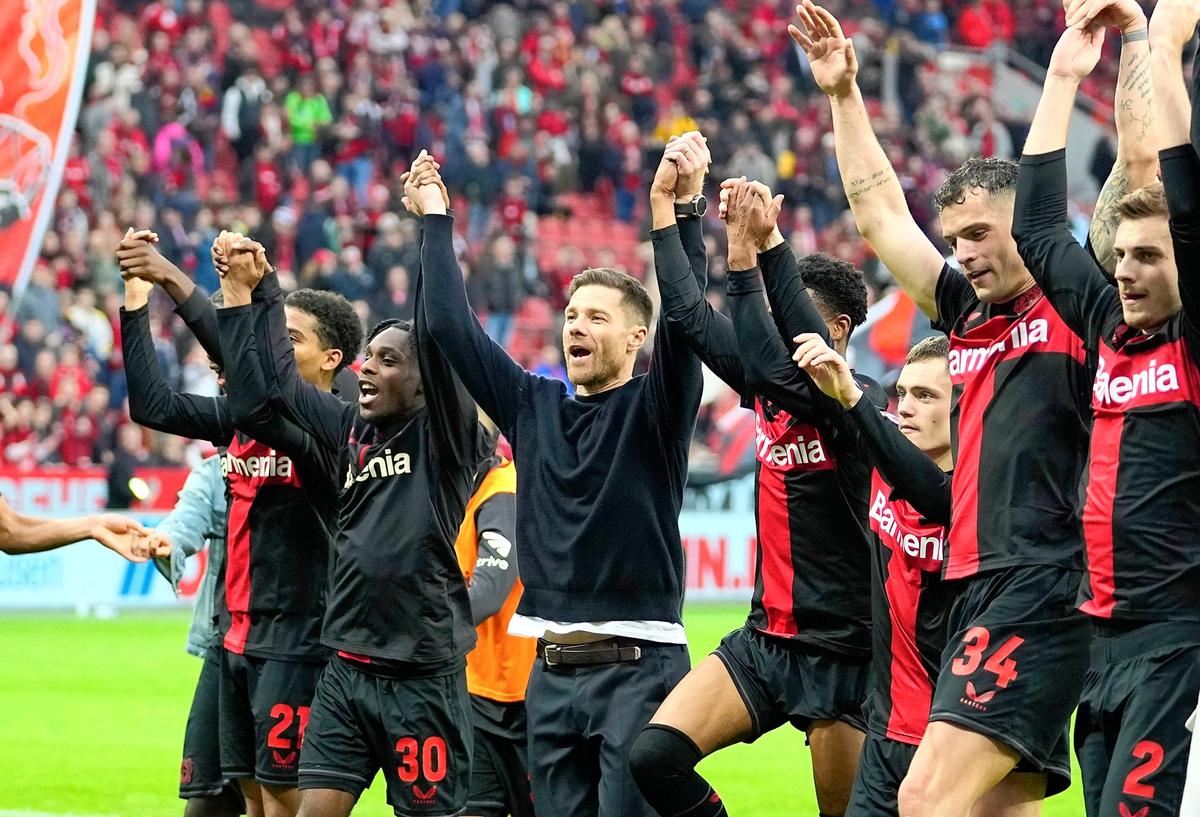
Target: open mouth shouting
367,392
578,353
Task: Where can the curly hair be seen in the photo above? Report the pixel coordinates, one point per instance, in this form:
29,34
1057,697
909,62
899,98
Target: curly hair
336,323
836,284
994,175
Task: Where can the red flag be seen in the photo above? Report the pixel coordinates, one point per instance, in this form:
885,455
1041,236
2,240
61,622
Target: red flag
42,68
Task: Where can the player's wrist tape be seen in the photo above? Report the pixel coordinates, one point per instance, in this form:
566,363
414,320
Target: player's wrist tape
1134,36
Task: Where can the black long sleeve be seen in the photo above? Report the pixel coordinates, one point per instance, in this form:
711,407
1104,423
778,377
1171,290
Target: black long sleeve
200,316
675,379
709,333
1180,167
1067,273
153,403
770,370
496,571
913,476
791,307
492,377
253,413
454,417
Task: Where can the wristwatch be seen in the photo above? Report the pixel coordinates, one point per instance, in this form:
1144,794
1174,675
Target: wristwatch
695,208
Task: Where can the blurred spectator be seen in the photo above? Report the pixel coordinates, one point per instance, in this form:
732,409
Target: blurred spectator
295,121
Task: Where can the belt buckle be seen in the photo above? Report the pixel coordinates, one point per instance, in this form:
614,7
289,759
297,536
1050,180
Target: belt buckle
549,655
637,652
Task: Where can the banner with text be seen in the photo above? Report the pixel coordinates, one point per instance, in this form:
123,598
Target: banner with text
717,527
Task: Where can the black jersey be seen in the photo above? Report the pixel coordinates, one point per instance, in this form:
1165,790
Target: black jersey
272,591
395,591
1019,426
1143,479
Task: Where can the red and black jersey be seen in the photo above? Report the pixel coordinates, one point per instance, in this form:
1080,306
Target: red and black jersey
1019,427
910,509
909,605
1143,479
1143,492
277,553
271,595
811,576
812,569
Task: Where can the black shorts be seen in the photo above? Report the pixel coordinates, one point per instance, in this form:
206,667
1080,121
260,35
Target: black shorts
882,767
1014,665
784,681
418,730
1130,736
200,772
499,776
264,712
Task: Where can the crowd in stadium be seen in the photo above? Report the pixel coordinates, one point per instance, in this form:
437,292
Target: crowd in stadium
293,122
964,605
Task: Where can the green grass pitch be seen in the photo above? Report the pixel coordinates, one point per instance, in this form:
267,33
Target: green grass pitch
92,715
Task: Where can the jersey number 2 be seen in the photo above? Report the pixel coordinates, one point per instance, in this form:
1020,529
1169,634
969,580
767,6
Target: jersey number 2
1151,755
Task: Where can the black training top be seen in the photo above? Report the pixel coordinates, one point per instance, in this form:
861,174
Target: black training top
396,594
601,476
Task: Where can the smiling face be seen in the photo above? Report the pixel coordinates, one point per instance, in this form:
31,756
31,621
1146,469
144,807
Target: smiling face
1147,277
389,383
979,231
924,390
601,338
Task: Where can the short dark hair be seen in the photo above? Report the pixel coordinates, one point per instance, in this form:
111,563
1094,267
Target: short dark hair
337,324
633,295
395,323
836,284
1145,202
934,347
992,175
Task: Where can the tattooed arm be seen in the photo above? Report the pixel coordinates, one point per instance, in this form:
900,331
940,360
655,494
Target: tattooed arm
1137,157
874,192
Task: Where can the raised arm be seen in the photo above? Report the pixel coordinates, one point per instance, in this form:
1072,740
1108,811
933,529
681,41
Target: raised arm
320,419
1137,157
454,417
750,214
152,402
1069,275
1171,29
912,475
708,332
492,377
675,378
874,192
139,257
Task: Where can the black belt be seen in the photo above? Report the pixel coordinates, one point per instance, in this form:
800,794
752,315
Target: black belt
609,651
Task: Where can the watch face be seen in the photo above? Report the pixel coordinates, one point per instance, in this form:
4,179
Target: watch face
701,205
